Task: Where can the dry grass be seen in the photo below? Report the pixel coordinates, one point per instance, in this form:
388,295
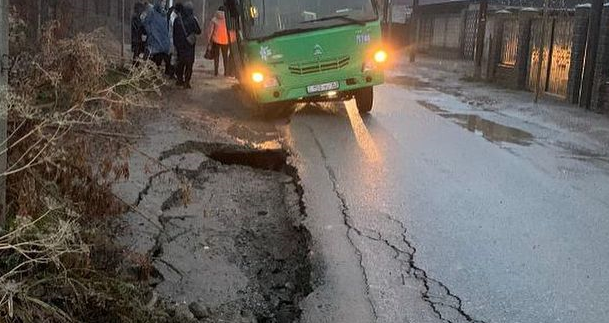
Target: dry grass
47,276
58,98
66,109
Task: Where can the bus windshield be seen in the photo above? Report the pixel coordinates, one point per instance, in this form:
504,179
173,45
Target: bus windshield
267,18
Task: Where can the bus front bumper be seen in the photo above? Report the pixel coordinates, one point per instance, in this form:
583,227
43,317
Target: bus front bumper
347,85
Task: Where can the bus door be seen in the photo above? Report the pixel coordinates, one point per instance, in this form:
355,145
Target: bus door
234,25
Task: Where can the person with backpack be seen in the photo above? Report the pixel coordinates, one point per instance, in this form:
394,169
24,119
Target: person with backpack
185,30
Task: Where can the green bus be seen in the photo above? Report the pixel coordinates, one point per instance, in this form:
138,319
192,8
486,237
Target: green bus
288,51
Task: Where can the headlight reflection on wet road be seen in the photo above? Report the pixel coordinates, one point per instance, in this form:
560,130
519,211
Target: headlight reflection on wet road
362,135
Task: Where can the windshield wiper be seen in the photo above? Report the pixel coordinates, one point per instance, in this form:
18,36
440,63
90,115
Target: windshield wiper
343,17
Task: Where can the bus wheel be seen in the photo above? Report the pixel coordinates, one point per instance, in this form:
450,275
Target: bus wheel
364,99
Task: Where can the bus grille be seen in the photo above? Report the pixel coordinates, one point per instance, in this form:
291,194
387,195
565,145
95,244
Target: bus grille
319,66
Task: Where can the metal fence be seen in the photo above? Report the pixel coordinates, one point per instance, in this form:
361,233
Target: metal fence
111,17
556,53
509,46
470,33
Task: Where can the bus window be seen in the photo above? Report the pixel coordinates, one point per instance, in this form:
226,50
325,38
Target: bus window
267,17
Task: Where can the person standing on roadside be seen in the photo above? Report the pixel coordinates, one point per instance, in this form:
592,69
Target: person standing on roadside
158,45
185,30
172,15
219,38
138,32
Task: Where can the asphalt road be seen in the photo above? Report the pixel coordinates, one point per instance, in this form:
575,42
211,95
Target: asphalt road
416,219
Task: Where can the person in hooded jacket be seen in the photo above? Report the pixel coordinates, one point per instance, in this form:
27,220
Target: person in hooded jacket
220,42
138,32
158,44
185,28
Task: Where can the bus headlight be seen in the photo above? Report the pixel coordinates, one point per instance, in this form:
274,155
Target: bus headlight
380,56
257,77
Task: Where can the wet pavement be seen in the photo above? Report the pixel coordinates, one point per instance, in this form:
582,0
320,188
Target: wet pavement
422,212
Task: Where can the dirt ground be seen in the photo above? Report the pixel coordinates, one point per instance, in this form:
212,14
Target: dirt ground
217,209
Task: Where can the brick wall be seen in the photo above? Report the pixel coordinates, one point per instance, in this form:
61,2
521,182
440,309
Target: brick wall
506,76
514,75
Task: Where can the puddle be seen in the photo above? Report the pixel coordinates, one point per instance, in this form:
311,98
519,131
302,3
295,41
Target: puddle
490,130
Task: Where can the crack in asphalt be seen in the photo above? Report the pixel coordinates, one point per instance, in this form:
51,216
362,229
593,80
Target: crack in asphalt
144,192
346,218
445,298
161,237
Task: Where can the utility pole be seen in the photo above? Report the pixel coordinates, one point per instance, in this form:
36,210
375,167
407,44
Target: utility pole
414,35
3,115
544,23
482,14
591,49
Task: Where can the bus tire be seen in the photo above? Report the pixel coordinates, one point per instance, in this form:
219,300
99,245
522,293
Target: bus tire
364,99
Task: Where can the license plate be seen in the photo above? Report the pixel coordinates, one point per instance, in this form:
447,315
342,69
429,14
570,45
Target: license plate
322,87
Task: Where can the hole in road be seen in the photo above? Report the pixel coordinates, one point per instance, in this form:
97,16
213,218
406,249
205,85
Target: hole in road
267,159
490,130
271,247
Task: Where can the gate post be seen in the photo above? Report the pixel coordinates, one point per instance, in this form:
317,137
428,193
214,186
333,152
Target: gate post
578,52
525,18
601,72
594,25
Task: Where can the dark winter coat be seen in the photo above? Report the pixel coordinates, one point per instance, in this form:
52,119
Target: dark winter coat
186,24
137,28
137,31
157,30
